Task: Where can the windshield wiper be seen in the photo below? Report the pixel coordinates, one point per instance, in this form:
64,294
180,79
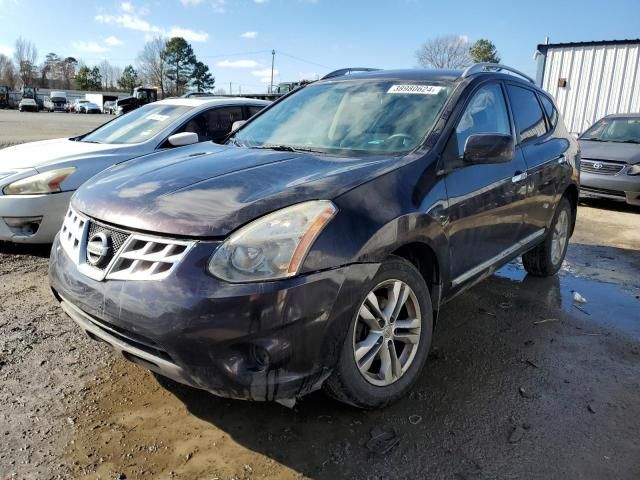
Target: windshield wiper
279,148
89,141
629,141
286,148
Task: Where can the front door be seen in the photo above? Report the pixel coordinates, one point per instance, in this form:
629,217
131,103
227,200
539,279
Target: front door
486,201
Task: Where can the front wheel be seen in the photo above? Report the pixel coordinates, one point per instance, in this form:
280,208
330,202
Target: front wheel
546,259
388,339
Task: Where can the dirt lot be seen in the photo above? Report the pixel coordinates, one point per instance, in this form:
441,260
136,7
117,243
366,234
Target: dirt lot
521,384
18,127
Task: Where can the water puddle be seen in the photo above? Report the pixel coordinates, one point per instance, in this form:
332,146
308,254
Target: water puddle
611,305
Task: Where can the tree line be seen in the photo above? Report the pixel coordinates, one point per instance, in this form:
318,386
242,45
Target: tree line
456,52
168,64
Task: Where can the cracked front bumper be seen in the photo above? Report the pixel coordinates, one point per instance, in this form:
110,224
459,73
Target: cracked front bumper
261,341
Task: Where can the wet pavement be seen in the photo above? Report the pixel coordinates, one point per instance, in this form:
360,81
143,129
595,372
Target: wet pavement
522,382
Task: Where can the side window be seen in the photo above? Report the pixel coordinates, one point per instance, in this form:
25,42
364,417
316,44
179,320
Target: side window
527,112
220,120
552,113
253,109
485,113
214,124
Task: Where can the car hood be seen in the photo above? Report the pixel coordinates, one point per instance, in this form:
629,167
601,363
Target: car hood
125,101
619,152
41,154
211,192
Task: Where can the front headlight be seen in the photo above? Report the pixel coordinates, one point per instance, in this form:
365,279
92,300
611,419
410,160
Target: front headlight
274,246
47,182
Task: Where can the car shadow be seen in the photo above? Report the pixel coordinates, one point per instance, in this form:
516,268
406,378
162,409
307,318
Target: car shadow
8,248
605,204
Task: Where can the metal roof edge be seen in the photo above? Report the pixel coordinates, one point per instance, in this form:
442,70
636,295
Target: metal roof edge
542,47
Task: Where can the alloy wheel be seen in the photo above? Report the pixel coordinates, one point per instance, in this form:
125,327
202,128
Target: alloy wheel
386,336
559,237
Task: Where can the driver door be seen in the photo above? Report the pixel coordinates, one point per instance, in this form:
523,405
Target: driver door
486,200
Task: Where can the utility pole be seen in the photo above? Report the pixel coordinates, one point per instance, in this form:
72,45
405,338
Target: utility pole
273,60
230,89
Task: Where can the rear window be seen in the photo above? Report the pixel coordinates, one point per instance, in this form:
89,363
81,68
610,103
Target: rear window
527,111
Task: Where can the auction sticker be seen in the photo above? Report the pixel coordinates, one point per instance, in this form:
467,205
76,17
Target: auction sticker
416,89
157,117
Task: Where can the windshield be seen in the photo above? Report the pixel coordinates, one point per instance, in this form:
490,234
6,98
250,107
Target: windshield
139,125
349,118
623,130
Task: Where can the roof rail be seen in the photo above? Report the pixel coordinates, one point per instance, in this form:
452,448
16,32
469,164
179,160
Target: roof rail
347,71
484,67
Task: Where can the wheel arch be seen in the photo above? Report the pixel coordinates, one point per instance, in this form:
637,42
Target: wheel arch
422,256
571,193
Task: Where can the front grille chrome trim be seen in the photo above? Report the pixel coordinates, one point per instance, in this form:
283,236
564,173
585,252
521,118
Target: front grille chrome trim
141,257
604,167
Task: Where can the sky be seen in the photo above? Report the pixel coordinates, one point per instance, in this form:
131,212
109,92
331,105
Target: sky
310,37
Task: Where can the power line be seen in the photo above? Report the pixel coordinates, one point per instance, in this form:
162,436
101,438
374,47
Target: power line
305,61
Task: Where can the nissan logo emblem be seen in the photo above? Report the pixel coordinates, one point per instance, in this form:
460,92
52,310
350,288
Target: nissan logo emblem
98,249
597,165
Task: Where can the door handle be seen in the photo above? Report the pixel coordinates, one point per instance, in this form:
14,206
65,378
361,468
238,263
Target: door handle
518,177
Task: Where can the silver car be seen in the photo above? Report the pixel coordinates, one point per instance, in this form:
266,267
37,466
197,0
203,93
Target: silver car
610,165
37,179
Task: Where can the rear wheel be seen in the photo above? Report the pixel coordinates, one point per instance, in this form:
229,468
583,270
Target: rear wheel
388,339
546,259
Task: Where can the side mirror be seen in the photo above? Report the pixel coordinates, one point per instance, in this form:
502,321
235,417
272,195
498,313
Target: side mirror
237,124
182,139
488,148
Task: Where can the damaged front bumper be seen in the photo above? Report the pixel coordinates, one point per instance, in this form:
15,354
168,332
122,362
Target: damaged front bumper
262,341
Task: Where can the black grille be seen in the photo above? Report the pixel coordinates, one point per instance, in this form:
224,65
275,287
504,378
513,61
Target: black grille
117,239
600,167
603,191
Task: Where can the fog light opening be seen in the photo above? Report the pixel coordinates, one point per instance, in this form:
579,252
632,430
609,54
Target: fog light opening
23,226
259,358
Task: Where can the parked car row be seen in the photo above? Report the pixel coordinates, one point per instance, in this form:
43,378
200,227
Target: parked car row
313,246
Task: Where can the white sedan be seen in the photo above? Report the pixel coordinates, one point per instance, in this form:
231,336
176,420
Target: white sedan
37,179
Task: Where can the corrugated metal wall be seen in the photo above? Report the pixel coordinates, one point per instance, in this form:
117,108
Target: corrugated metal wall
601,79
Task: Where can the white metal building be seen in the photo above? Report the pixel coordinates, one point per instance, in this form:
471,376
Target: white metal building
591,79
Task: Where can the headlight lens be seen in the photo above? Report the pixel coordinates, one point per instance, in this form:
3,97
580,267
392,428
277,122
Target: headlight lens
273,246
47,182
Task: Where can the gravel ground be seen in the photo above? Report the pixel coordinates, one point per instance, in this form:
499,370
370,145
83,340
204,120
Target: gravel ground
520,384
20,127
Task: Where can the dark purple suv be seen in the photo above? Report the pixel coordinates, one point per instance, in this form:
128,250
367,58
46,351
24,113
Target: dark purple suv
316,247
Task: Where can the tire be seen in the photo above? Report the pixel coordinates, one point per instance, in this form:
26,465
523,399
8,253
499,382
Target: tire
546,259
360,385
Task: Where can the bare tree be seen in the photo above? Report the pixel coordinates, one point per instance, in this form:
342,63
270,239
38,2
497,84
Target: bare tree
445,52
110,74
152,65
8,74
25,55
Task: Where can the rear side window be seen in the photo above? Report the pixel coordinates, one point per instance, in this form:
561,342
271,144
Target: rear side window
552,113
253,109
527,112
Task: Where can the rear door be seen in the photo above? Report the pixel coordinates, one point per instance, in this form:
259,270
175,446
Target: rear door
486,201
543,151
